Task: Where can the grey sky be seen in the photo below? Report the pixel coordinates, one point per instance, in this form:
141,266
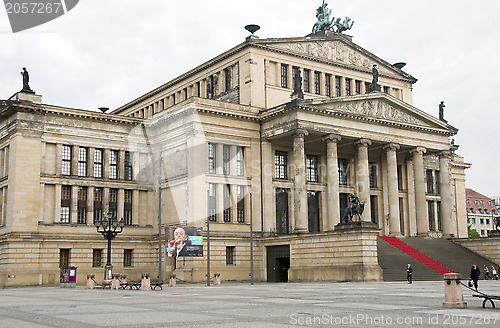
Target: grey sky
106,53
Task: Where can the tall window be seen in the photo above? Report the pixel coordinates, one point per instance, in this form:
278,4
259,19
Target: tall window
211,158
280,165
312,168
64,257
127,208
98,163
373,174
343,172
400,177
127,257
357,87
113,199
348,86
317,82
295,72
307,84
386,90
226,159
128,166
230,255
66,160
367,87
337,86
240,162
430,181
82,161
227,203
65,204
97,204
328,85
97,258
430,212
81,214
113,164
227,78
436,178
212,202
374,209
240,211
284,75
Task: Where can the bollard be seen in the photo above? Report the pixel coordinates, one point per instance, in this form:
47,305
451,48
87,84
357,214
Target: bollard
453,294
145,282
217,279
90,281
172,282
115,283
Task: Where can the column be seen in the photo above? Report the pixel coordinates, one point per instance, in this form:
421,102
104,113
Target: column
57,204
392,182
135,207
268,202
362,88
74,205
90,205
362,188
445,191
420,203
74,160
299,174
121,164
332,179
90,165
342,86
120,204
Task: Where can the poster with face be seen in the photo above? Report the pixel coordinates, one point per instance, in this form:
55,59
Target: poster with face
184,241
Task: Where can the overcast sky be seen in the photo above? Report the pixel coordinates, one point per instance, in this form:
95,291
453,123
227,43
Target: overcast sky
106,53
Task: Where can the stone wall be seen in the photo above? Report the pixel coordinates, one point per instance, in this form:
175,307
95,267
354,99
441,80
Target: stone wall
488,247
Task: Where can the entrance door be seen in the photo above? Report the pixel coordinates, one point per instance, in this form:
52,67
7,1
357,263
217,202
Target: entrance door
281,211
278,263
313,210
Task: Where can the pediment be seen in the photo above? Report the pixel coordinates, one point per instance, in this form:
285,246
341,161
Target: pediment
339,51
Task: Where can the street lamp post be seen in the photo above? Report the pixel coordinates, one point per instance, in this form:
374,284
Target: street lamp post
108,228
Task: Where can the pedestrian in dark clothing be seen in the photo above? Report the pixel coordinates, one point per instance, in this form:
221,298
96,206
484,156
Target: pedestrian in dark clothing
409,274
474,275
486,273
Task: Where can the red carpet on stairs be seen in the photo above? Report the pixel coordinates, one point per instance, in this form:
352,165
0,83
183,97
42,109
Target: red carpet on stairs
422,258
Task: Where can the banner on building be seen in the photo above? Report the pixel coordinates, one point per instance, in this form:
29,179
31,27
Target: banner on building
184,241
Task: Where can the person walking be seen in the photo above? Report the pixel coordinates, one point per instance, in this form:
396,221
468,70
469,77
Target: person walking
494,273
474,275
486,273
409,273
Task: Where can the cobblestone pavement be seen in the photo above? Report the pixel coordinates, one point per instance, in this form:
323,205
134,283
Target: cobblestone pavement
372,304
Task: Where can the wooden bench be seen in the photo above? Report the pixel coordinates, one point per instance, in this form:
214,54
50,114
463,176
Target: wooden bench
487,298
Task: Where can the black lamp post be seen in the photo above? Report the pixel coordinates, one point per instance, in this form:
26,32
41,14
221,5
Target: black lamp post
108,228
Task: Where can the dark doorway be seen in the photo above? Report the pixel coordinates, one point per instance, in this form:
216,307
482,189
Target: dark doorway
313,210
278,263
343,204
281,211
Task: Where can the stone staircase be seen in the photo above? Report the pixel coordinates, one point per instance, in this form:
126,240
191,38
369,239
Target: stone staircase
459,259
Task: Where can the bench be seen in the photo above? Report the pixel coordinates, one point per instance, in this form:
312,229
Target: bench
487,298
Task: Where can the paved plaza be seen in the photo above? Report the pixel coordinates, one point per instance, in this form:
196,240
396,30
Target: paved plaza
372,304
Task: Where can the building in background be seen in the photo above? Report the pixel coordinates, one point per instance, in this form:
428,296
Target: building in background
481,211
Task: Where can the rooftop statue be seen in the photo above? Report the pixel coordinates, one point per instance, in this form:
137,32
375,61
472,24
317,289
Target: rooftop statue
345,25
26,80
324,22
441,112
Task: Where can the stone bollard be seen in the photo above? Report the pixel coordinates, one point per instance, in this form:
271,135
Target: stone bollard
453,294
217,279
172,282
145,282
115,283
90,281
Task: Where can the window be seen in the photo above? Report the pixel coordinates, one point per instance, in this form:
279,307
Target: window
113,164
127,207
66,160
280,165
226,159
212,81
64,257
295,74
481,221
343,172
328,85
284,76
476,202
487,221
97,204
486,211
386,90
240,207
65,204
430,212
430,181
374,209
473,220
357,87
480,210
240,161
436,178
113,198
97,258
337,86
367,87
81,214
230,255
482,202
467,201
482,232
307,73
227,78
98,163
373,174
128,166
348,86
489,203
212,204
317,82
127,257
227,203
211,158
471,210
82,162
400,177
312,168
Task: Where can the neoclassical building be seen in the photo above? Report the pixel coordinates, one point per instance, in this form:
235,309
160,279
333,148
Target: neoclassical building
225,144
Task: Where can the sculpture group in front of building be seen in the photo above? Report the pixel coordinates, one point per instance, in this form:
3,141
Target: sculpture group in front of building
355,207
325,23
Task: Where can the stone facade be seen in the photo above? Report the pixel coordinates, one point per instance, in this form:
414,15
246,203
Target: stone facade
212,139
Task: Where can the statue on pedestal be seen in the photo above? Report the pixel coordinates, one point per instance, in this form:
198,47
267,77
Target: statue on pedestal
441,112
355,207
26,80
297,86
374,86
